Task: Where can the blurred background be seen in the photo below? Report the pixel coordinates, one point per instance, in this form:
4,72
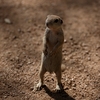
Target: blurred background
22,26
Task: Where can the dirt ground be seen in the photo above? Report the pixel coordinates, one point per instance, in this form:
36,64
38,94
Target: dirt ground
21,31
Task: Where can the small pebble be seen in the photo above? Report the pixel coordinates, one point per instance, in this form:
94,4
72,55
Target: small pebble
89,59
29,30
19,30
73,88
87,52
65,41
7,20
66,88
96,54
98,46
85,70
74,95
5,96
71,38
72,79
66,58
74,85
83,44
63,67
69,82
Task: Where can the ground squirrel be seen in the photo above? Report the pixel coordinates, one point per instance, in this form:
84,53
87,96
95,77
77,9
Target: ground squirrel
52,50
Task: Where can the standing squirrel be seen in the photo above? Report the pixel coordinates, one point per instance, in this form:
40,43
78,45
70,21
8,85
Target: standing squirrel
52,50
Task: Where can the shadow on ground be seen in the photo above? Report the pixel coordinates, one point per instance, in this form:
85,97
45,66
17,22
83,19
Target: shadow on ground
58,96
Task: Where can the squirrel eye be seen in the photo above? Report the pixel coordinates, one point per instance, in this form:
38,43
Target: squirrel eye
61,22
56,20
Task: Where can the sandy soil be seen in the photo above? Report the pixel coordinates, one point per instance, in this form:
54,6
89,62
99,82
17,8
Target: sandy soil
21,31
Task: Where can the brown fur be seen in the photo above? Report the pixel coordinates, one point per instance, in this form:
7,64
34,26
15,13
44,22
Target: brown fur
52,50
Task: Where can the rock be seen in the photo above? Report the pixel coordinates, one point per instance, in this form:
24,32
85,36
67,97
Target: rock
14,37
69,82
64,50
29,30
65,41
74,88
17,58
75,43
66,88
98,46
97,54
19,30
73,85
72,79
72,61
89,59
87,52
29,62
34,63
74,95
71,38
7,20
37,43
85,70
5,96
15,45
85,86
84,45
63,67
66,58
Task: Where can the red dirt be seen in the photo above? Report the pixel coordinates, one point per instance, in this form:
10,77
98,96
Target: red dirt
21,47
